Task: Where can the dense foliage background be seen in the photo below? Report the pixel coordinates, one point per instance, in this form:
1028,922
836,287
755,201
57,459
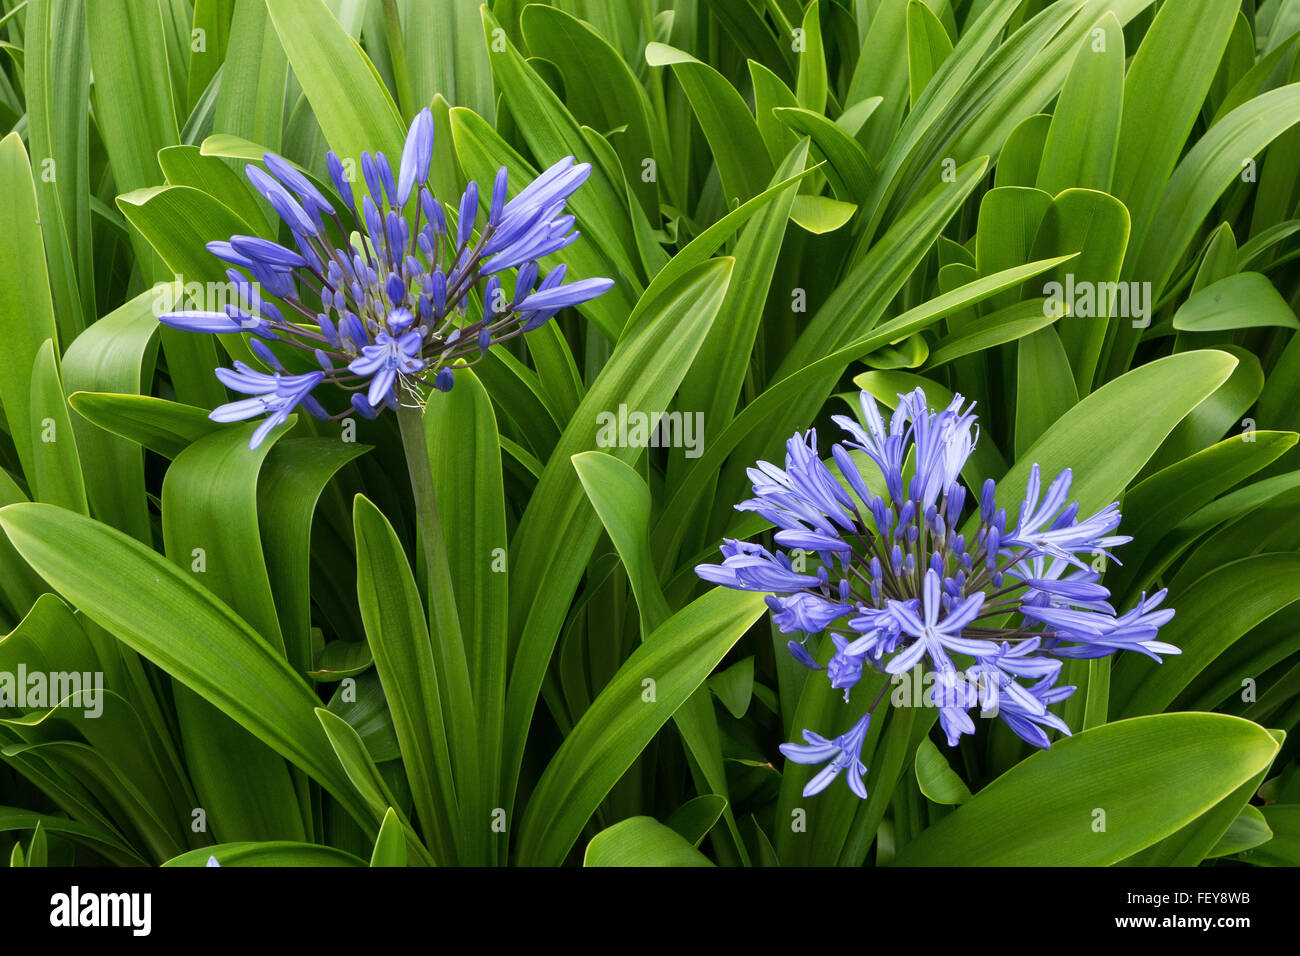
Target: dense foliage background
797,201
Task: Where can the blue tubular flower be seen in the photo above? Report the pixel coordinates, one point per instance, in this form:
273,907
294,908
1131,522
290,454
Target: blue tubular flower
378,289
276,396
385,360
934,637
844,753
845,667
992,612
215,322
883,446
805,612
751,567
1100,634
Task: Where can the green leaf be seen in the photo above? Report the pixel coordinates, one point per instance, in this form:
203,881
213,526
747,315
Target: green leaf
1247,831
26,310
390,845
254,76
291,482
847,166
927,47
622,500
360,767
465,458
340,659
191,166
733,136
937,780
1243,301
1159,503
1205,626
1022,153
351,104
271,853
56,79
735,686
600,90
115,355
1096,225
1081,144
821,214
557,532
1103,458
1100,796
139,596
986,332
696,817
1044,386
552,133
106,844
56,472
167,428
1209,167
811,82
1219,414
675,660
134,109
714,383
1170,74
1284,848
1193,843
398,633
642,841
447,56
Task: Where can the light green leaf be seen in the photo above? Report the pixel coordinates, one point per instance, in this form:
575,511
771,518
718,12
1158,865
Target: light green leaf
1149,776
642,841
675,659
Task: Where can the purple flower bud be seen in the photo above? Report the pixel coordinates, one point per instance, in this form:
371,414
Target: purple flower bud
417,153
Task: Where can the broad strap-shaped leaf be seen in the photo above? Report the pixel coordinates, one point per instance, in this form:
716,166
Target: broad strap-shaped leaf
26,309
1105,459
1213,612
398,632
351,104
642,841
465,460
555,537
657,679
271,853
115,354
1099,796
140,596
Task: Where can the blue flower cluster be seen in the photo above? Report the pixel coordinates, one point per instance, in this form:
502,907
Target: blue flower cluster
378,292
897,584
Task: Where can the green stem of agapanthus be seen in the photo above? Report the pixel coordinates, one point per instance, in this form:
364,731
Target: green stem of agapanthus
473,846
410,420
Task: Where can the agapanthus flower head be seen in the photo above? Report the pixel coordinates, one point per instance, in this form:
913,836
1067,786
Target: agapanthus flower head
377,292
897,584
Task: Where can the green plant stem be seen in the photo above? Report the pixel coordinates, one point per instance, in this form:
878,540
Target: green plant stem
447,642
